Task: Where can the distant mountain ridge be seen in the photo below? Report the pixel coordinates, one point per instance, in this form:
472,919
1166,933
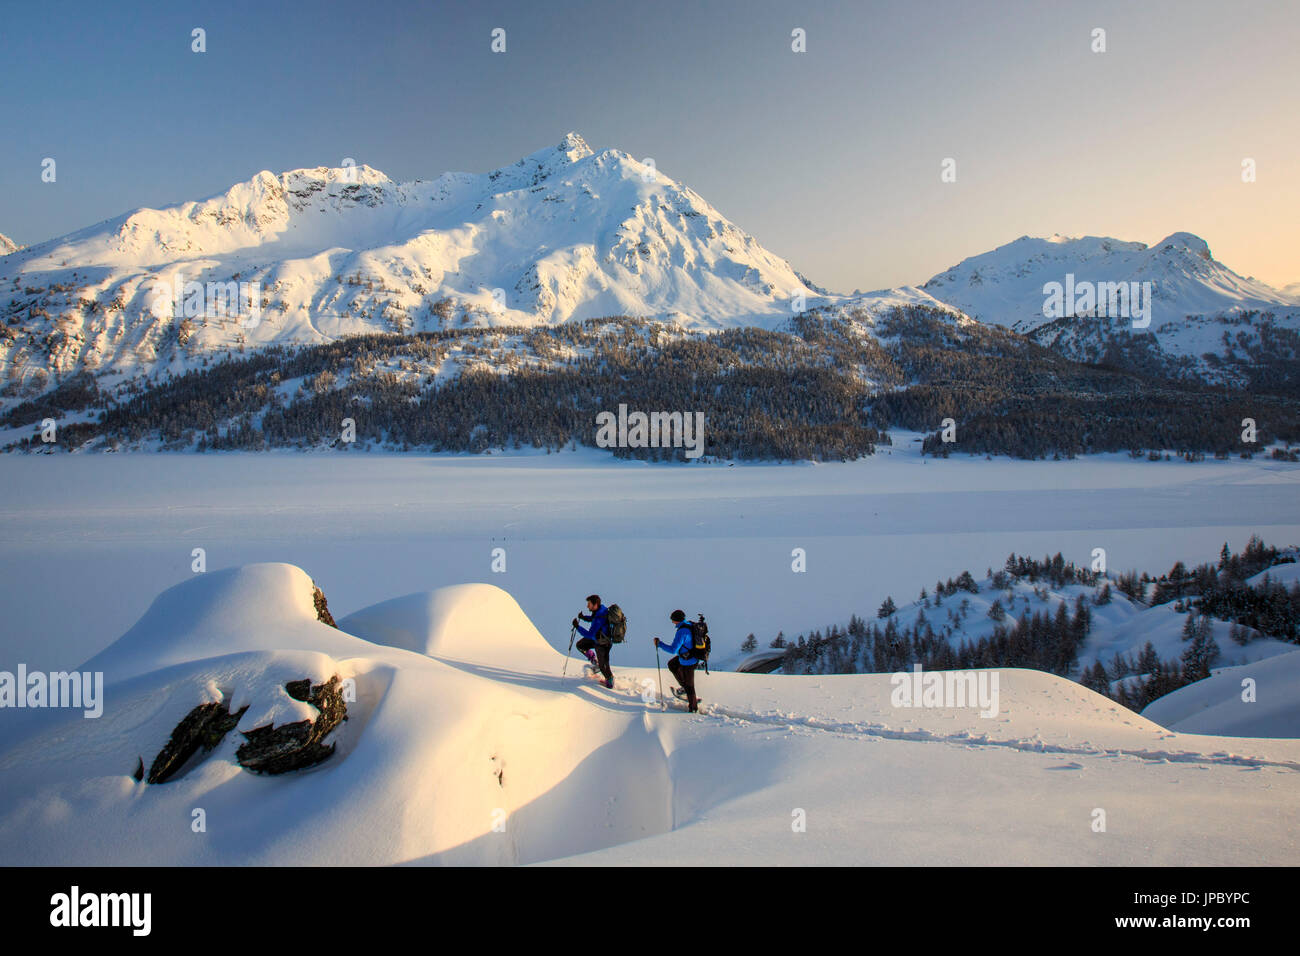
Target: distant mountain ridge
1203,319
566,233
1005,285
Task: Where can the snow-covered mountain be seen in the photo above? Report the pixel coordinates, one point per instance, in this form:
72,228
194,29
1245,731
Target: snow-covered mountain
312,255
7,245
565,233
1186,300
1005,286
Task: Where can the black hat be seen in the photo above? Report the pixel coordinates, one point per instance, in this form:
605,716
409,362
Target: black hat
678,616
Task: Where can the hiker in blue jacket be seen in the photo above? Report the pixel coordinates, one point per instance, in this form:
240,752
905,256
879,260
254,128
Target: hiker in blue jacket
682,665
596,641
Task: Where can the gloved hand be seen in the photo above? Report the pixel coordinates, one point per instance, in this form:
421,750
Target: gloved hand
575,622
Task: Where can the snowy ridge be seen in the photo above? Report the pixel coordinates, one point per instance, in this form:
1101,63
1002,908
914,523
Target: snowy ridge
565,233
1118,626
1005,286
477,752
1196,304
7,245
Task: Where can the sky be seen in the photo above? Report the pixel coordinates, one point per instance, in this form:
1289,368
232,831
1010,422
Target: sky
831,157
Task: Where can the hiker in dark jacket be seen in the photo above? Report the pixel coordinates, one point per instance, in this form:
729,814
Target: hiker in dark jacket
683,664
596,641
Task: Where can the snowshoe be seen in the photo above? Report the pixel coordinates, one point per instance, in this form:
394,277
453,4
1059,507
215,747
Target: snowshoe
682,696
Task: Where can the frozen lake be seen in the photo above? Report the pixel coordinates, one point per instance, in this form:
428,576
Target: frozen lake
87,542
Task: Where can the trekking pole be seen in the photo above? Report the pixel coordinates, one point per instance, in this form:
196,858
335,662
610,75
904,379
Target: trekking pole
660,673
572,631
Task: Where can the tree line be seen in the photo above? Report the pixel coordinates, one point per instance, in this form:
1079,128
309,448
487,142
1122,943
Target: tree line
825,386
1050,641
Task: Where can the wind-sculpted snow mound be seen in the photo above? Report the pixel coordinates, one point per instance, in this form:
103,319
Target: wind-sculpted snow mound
230,707
1252,700
254,607
466,622
237,728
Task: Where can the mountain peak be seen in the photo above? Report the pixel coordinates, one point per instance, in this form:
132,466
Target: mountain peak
1178,278
574,144
543,164
566,233
1185,240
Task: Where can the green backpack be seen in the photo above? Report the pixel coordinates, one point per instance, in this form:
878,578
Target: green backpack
616,624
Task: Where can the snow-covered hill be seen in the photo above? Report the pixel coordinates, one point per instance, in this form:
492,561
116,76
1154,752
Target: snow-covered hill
1119,628
1005,286
463,745
1256,700
1194,300
7,245
565,233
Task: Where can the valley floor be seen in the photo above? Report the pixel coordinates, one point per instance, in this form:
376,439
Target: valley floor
86,541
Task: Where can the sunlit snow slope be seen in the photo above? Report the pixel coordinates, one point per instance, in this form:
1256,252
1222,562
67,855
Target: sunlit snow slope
564,233
465,746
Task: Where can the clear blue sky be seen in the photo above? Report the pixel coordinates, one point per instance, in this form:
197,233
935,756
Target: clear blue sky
830,158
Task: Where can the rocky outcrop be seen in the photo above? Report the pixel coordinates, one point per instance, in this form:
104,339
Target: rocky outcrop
322,607
203,727
293,746
268,749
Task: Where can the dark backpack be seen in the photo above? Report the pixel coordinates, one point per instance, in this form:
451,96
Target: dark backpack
616,624
700,642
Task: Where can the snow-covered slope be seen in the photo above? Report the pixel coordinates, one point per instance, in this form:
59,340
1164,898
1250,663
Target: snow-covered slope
884,300
7,245
565,233
1225,703
477,752
1249,700
1118,627
1194,300
1005,286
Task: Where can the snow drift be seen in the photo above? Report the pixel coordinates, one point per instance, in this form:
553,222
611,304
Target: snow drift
463,745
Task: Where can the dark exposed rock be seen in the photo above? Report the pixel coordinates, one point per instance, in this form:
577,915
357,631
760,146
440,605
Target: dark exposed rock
322,608
139,769
268,749
204,726
293,746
